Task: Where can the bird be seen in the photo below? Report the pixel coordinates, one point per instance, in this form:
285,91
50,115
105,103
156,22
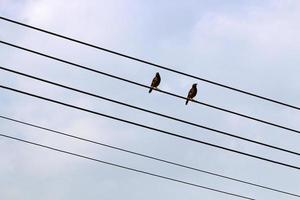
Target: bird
192,93
155,82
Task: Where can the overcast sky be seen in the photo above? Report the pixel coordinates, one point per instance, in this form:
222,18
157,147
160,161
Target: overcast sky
251,45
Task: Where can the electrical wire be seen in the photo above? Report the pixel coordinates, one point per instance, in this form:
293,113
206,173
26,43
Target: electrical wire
147,156
149,111
145,86
150,128
153,64
124,167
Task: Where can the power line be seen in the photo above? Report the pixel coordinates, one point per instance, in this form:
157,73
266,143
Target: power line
145,86
153,64
150,128
124,167
147,156
149,111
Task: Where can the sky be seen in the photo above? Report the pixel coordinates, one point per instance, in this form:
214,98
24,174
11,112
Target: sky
251,45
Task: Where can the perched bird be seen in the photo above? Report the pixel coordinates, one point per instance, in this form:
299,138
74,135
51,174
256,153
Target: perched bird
192,93
155,82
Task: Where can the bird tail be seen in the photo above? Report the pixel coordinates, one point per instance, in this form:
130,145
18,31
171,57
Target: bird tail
186,101
150,90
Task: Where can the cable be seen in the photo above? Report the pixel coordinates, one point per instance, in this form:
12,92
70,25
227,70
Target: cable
123,167
153,64
150,128
149,111
146,156
145,86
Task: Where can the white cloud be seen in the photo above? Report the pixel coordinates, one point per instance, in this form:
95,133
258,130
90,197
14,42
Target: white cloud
262,35
271,30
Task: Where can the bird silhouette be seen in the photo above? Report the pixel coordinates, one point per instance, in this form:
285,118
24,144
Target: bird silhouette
155,82
192,93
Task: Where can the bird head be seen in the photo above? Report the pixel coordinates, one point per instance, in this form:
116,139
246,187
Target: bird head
195,85
157,74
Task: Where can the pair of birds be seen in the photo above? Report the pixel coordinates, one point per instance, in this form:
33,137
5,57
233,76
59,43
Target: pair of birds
192,93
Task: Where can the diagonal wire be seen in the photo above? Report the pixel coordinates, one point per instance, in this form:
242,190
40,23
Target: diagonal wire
145,86
150,128
149,111
147,156
123,167
153,64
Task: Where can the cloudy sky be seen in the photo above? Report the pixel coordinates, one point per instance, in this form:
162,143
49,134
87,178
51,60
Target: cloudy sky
252,45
